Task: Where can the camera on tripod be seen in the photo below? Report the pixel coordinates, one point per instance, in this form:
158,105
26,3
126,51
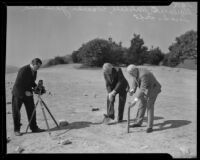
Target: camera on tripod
40,89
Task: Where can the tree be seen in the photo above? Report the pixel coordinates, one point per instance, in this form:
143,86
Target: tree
173,60
185,47
137,51
165,59
155,56
98,51
94,52
75,56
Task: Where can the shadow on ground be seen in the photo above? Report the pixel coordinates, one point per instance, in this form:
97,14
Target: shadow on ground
155,118
169,124
133,120
75,125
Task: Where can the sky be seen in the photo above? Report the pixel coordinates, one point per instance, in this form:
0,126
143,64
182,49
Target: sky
49,31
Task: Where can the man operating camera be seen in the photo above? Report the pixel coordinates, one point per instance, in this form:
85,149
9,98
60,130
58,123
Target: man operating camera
22,93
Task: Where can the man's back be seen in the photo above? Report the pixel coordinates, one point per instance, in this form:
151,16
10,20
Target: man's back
24,81
116,80
148,82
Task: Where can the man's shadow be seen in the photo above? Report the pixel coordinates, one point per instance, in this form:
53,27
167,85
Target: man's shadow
154,118
70,126
134,119
168,124
73,125
171,124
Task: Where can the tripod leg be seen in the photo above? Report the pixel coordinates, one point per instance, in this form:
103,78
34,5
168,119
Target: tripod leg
32,116
50,113
45,119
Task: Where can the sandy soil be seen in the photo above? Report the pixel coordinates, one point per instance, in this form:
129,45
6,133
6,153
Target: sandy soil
75,91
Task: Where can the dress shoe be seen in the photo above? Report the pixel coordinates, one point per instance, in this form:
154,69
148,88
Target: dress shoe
111,121
135,125
149,130
105,115
17,133
119,121
106,120
37,130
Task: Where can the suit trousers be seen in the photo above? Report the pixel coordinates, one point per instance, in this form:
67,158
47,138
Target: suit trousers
110,106
144,104
29,106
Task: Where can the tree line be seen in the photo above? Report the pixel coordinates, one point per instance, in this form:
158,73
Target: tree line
98,51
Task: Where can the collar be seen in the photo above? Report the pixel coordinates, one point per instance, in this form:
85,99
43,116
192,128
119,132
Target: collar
31,66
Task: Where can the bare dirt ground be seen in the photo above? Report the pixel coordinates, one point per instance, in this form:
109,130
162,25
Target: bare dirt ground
75,91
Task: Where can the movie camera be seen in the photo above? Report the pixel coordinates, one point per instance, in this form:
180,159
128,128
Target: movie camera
39,89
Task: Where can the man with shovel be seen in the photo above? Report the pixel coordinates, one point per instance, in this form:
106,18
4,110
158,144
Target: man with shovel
115,84
149,88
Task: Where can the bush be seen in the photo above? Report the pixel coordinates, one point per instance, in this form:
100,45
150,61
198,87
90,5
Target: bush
165,60
173,61
75,56
98,51
94,52
184,48
58,60
67,59
155,56
137,52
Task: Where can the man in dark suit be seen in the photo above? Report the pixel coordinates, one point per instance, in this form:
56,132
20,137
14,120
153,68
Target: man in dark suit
115,84
22,93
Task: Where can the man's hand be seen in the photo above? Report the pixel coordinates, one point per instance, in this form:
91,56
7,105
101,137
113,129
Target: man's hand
131,92
35,88
111,95
28,93
131,104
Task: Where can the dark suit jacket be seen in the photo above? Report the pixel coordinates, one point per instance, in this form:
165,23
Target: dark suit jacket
24,82
116,81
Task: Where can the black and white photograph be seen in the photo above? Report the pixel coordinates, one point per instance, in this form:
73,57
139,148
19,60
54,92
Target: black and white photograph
101,79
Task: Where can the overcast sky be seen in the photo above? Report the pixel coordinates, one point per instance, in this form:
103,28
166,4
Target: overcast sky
46,32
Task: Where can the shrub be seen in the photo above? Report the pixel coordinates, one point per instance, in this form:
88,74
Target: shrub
165,59
58,60
98,51
173,61
75,56
137,51
155,56
185,47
